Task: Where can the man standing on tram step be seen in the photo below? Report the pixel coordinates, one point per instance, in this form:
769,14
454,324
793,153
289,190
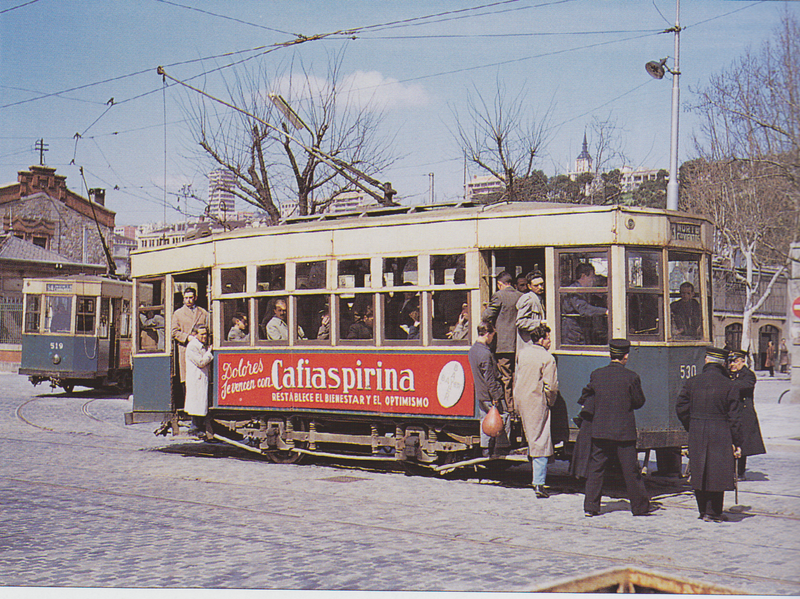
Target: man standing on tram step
708,407
616,392
744,380
536,390
198,359
184,319
502,313
488,389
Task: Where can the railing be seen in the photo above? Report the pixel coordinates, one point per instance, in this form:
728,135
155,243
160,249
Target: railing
11,320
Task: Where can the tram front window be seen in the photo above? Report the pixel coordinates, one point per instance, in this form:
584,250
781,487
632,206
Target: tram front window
583,296
686,314
59,314
644,295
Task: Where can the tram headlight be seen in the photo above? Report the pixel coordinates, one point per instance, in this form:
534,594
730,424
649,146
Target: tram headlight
56,359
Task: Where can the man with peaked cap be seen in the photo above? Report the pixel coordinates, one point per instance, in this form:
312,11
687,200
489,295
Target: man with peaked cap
614,392
708,407
745,381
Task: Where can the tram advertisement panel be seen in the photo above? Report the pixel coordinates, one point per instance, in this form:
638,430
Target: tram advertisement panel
429,384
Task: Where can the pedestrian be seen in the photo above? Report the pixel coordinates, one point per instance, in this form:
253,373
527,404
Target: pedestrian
744,380
769,360
184,319
198,359
708,408
488,388
536,390
502,313
784,357
615,392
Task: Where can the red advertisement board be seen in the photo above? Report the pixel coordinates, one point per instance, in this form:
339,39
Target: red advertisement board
424,384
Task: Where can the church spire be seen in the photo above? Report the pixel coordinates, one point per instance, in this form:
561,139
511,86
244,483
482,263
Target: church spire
583,163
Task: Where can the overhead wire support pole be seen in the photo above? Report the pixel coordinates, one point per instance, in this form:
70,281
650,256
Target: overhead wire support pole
672,184
348,171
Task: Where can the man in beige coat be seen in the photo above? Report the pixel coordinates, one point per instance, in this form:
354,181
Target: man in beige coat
535,392
184,319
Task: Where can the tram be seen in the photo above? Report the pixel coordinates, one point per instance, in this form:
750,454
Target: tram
77,331
369,366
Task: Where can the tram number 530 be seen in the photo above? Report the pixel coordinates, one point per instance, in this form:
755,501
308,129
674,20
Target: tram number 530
688,371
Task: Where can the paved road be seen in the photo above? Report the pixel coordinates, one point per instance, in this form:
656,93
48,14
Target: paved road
88,502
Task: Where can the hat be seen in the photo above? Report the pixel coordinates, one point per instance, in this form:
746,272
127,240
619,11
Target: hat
715,354
737,353
619,347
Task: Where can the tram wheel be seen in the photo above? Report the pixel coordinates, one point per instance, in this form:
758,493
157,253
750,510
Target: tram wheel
282,456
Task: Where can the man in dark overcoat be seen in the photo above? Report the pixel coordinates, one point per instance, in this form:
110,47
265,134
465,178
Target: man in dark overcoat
708,407
744,380
488,389
615,392
502,313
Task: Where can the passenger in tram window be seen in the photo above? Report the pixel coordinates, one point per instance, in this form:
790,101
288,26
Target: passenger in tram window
413,328
324,331
238,331
502,313
577,306
687,318
488,388
155,326
184,319
276,327
461,329
522,284
364,324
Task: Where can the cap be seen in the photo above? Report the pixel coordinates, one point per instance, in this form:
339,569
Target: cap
737,353
715,354
619,347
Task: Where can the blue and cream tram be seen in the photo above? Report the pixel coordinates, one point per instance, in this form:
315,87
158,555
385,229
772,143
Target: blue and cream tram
77,331
370,365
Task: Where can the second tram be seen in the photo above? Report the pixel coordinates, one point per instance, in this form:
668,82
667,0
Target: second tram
370,364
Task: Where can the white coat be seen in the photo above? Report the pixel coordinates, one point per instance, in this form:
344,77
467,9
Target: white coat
535,392
198,359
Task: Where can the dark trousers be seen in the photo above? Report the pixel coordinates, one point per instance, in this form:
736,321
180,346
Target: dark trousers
505,367
742,465
602,450
709,502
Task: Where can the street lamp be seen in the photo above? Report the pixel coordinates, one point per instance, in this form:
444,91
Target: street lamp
656,69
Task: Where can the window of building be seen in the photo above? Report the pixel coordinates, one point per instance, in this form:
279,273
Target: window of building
271,277
583,298
39,241
686,314
33,312
645,299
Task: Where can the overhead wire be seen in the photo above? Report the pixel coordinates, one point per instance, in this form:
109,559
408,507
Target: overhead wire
5,10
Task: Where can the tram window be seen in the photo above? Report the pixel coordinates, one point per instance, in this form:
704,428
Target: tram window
583,298
274,316
59,314
235,322
33,311
448,269
125,319
271,277
152,325
451,315
354,273
311,275
644,294
401,316
686,315
314,317
234,280
357,317
400,271
105,307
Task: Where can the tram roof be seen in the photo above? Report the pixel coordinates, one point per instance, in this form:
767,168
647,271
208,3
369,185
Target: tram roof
79,283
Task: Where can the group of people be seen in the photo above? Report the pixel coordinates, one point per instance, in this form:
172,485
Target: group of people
520,379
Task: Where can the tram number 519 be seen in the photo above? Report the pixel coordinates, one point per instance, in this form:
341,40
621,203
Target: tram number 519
688,371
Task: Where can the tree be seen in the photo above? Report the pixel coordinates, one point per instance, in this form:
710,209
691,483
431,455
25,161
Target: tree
336,133
502,138
652,193
747,176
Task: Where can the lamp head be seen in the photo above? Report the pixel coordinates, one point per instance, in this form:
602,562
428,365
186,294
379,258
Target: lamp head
656,69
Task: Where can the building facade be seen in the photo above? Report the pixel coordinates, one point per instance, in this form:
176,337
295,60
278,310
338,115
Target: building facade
221,201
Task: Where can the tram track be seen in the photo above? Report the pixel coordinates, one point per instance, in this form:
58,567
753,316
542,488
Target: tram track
282,519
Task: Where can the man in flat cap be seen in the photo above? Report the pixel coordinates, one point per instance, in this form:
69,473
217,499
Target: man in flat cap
614,392
745,381
708,407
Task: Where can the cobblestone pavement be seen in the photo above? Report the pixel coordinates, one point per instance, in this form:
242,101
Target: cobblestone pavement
89,502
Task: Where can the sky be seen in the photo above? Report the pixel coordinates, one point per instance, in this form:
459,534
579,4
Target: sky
575,61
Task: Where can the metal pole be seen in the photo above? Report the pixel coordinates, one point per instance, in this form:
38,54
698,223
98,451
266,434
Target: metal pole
672,185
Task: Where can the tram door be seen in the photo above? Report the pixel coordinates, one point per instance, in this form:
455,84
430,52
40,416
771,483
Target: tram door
200,281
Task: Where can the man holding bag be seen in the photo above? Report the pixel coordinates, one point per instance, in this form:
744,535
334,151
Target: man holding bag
488,389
